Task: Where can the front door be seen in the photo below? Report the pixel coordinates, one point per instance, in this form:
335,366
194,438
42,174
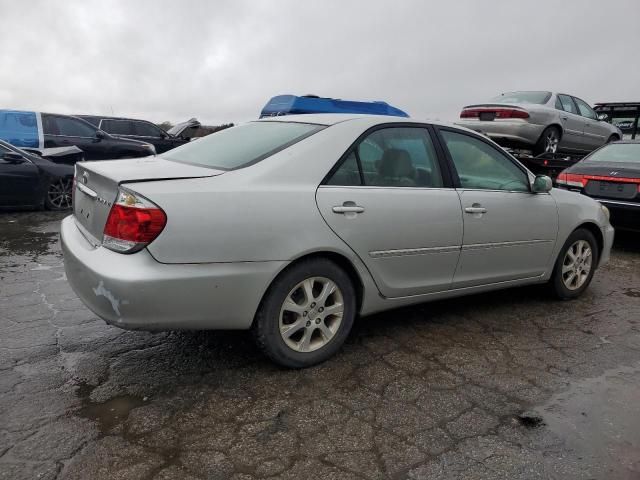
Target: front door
509,232
390,202
19,181
595,134
63,131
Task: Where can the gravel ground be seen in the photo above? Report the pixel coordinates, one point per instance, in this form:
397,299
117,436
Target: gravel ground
509,385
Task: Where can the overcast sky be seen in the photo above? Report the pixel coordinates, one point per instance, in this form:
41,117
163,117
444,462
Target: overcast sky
221,61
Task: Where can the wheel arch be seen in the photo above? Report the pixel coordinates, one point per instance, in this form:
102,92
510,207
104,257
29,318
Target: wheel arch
596,232
558,126
339,259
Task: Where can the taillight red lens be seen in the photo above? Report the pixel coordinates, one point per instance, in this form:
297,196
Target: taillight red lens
140,225
133,222
572,180
498,112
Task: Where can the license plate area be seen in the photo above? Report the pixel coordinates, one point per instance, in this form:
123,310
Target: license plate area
599,188
487,116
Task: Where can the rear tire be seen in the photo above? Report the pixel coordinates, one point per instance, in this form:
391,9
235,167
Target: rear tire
58,194
548,141
575,265
306,314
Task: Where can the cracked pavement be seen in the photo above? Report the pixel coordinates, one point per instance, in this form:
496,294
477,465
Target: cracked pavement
508,385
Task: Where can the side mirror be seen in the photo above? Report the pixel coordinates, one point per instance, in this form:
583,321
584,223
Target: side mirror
100,134
603,117
13,157
542,184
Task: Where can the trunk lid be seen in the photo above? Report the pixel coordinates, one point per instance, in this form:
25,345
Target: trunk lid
97,185
493,111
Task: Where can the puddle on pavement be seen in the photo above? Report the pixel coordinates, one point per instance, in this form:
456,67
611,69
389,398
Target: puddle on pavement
30,233
599,419
107,414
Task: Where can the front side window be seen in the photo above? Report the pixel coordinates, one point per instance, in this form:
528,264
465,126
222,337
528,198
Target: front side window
241,146
118,127
66,126
585,109
567,104
144,129
482,166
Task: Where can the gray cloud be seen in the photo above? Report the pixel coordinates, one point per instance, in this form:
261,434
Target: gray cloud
221,61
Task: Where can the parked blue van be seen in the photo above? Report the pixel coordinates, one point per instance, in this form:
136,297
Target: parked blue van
295,105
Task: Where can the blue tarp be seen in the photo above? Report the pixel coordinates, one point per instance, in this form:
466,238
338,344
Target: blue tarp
292,105
19,128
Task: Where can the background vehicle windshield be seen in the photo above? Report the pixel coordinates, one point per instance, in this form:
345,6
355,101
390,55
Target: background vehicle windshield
243,145
617,152
523,97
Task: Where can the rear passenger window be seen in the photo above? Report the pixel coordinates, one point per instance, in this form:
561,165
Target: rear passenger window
392,157
567,104
118,127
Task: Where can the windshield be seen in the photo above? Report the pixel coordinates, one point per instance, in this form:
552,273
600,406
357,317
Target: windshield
243,145
523,97
617,153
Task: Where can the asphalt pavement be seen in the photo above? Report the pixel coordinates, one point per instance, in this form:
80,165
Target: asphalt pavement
508,385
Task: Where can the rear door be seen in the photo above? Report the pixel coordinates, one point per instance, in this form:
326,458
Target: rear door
572,124
392,202
595,134
509,232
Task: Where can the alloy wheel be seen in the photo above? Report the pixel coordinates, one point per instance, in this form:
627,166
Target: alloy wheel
551,141
59,194
577,265
311,314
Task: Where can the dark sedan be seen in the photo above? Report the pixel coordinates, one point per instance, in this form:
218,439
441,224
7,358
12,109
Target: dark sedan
610,175
30,181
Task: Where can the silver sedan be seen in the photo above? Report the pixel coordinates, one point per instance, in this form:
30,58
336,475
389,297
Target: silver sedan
292,226
540,121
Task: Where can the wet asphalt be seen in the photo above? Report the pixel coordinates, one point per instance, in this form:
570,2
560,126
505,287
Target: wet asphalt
509,385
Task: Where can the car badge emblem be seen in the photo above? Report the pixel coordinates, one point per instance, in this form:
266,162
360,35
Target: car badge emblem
85,178
613,174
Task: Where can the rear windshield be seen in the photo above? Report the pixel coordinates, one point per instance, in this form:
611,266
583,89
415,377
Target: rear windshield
617,152
240,146
523,97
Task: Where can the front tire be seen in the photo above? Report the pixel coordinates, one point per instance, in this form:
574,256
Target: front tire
613,138
575,265
548,141
306,315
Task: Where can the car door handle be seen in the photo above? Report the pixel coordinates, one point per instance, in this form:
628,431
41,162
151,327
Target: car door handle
348,209
475,210
564,118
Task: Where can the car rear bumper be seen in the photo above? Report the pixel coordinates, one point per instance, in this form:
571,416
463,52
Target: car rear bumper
624,215
137,292
504,132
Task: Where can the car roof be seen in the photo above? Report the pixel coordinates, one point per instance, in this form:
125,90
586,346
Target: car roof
105,117
335,118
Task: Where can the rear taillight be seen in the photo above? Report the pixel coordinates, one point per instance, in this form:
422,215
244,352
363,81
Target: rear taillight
498,112
572,180
133,223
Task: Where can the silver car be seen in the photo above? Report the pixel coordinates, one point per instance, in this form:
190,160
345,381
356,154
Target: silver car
292,226
540,121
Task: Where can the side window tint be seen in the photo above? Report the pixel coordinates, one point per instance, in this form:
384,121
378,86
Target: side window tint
146,130
585,109
347,174
71,127
118,127
481,166
567,104
399,157
558,104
